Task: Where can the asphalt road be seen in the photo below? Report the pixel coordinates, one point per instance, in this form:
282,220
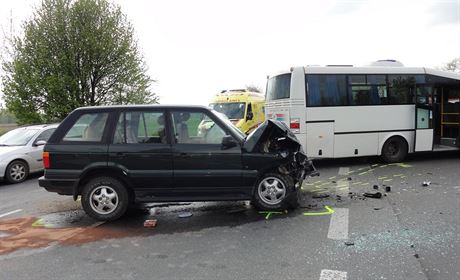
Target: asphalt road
411,232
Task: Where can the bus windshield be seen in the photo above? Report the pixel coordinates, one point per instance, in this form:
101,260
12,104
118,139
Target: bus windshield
234,111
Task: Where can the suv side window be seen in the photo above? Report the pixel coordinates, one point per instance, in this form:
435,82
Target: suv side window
138,127
45,135
196,128
88,128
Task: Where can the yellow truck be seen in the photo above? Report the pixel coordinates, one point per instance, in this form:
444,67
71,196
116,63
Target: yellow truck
244,109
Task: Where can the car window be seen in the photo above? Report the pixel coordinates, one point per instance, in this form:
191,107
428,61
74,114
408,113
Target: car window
45,135
88,128
139,127
17,137
196,128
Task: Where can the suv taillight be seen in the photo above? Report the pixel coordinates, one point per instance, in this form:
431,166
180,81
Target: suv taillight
46,160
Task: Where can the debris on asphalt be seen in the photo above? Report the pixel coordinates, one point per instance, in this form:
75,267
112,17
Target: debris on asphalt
185,215
349,179
150,223
349,243
377,208
426,183
320,196
338,197
376,187
416,256
333,182
373,195
388,188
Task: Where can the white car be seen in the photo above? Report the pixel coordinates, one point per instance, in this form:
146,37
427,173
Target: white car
21,151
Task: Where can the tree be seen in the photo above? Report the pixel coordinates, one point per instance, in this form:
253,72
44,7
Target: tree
453,65
253,88
74,53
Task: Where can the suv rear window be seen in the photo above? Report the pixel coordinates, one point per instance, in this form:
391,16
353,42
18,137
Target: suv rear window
279,87
88,128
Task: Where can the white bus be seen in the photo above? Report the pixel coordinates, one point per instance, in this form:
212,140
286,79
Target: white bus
384,109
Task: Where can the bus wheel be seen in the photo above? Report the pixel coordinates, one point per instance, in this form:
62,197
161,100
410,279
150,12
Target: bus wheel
395,149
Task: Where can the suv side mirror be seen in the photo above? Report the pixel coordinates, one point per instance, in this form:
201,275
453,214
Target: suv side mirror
228,142
40,143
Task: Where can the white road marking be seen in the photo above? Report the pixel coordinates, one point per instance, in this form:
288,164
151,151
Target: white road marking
343,188
327,274
338,227
9,213
344,170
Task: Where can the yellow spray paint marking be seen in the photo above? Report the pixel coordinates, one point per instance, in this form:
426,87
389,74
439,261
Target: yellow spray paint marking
388,180
355,183
398,175
362,173
343,188
382,166
328,212
40,223
382,177
309,184
268,214
330,178
404,165
364,184
403,177
362,168
321,191
374,165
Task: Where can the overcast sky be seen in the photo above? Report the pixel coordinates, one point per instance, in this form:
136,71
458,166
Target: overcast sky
196,48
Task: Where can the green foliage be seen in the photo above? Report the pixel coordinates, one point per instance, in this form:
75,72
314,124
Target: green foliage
453,65
74,53
253,88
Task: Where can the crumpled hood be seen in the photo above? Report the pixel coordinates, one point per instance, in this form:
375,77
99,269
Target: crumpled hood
270,136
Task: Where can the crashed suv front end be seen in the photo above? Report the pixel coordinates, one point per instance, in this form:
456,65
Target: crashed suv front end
273,149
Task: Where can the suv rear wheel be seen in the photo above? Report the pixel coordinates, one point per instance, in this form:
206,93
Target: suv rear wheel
273,191
105,199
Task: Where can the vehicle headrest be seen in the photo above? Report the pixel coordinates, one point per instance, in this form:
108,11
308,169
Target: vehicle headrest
184,116
161,120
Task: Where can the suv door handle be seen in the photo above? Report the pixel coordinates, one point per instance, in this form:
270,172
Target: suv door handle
120,154
184,155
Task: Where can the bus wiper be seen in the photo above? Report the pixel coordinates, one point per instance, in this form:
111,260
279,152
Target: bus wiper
3,145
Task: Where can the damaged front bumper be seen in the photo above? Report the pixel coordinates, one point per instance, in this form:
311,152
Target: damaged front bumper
274,137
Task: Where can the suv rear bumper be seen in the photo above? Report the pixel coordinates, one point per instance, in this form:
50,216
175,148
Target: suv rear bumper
60,186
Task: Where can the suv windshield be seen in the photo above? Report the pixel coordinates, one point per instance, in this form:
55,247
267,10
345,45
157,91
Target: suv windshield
233,111
17,137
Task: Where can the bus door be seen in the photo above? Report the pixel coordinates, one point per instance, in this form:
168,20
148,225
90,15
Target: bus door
424,119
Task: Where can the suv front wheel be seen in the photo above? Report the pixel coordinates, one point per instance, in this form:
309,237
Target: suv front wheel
275,192
105,199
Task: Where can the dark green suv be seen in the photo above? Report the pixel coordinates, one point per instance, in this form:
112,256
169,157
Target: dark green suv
119,155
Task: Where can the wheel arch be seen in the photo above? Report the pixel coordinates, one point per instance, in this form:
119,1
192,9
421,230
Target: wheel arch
16,159
114,172
408,137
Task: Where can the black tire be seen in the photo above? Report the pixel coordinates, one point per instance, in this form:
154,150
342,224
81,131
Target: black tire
17,172
106,205
273,196
394,150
